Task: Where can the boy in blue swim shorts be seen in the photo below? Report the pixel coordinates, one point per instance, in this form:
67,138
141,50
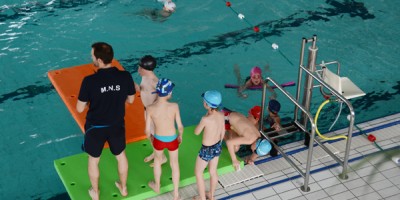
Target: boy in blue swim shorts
213,127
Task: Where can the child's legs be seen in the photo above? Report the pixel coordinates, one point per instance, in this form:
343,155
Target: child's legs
173,160
198,170
212,168
157,166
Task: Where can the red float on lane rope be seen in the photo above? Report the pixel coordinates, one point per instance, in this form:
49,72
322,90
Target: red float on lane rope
256,29
371,138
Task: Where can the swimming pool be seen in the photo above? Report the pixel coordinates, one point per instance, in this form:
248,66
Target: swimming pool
196,47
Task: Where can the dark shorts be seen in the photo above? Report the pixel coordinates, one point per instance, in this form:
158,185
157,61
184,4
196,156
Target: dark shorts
207,153
97,136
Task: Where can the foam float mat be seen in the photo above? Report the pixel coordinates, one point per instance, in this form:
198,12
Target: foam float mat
67,82
73,170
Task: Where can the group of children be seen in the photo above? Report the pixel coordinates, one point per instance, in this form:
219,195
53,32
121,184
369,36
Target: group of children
162,116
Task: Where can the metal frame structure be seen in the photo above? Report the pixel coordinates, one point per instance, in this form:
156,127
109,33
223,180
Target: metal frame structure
311,75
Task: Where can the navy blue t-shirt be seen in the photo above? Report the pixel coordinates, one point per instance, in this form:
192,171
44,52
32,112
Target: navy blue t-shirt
106,92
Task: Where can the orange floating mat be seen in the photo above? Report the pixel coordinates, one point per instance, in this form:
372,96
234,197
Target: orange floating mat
68,82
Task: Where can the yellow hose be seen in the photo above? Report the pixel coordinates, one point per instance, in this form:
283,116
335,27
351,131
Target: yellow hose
316,127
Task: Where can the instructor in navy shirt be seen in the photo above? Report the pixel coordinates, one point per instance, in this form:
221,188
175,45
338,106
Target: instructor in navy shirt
105,92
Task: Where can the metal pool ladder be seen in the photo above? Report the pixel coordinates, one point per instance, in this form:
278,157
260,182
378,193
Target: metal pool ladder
301,124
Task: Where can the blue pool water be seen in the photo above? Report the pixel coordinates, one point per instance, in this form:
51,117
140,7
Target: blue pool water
196,47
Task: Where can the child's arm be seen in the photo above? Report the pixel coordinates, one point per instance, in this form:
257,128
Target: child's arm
236,71
179,123
148,125
243,88
199,127
137,87
273,93
277,124
251,159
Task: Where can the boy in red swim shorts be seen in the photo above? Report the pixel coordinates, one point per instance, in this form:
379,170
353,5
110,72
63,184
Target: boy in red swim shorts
164,114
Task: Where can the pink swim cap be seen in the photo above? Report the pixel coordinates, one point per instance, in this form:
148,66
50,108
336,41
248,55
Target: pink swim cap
255,70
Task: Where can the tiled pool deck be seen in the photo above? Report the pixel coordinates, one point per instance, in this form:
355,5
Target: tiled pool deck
372,174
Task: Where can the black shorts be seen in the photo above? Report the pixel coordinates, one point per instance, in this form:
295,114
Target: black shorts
96,137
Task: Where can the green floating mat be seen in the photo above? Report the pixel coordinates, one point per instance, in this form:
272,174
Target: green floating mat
73,170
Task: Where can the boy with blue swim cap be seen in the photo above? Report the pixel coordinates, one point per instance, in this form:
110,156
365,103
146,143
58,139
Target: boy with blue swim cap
213,127
274,121
244,132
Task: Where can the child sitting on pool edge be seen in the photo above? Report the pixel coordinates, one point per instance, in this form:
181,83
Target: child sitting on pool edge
255,79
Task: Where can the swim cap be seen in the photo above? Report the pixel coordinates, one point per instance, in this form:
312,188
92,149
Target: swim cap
255,70
262,147
148,62
164,87
213,98
170,6
274,106
255,111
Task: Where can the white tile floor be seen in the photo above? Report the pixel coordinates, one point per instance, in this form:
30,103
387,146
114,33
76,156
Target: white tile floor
372,173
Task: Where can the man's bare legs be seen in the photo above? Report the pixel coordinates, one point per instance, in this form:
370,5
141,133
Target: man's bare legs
198,171
123,173
93,171
173,156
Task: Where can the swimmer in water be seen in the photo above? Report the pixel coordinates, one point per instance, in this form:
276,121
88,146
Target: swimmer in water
160,15
255,79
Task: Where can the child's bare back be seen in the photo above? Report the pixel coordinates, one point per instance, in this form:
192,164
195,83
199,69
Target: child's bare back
214,128
147,86
164,114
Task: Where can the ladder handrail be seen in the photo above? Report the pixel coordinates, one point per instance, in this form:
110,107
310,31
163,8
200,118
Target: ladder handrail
305,175
352,114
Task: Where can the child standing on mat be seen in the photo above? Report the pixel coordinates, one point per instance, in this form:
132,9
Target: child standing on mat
213,127
255,79
164,115
147,64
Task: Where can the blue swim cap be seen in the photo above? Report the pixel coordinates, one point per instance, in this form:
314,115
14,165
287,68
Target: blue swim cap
213,98
262,147
274,106
164,87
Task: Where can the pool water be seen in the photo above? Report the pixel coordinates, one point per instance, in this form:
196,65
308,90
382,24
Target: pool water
196,47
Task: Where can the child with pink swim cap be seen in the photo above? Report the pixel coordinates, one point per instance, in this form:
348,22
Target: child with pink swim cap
255,79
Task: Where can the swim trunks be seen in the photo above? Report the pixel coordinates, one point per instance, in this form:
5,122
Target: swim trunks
162,142
207,153
227,124
97,135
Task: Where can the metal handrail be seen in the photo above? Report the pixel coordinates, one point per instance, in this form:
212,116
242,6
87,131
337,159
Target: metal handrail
305,175
350,130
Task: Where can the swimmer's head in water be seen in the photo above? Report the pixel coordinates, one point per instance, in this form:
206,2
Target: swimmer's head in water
212,98
169,6
148,62
164,87
274,106
255,75
255,112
